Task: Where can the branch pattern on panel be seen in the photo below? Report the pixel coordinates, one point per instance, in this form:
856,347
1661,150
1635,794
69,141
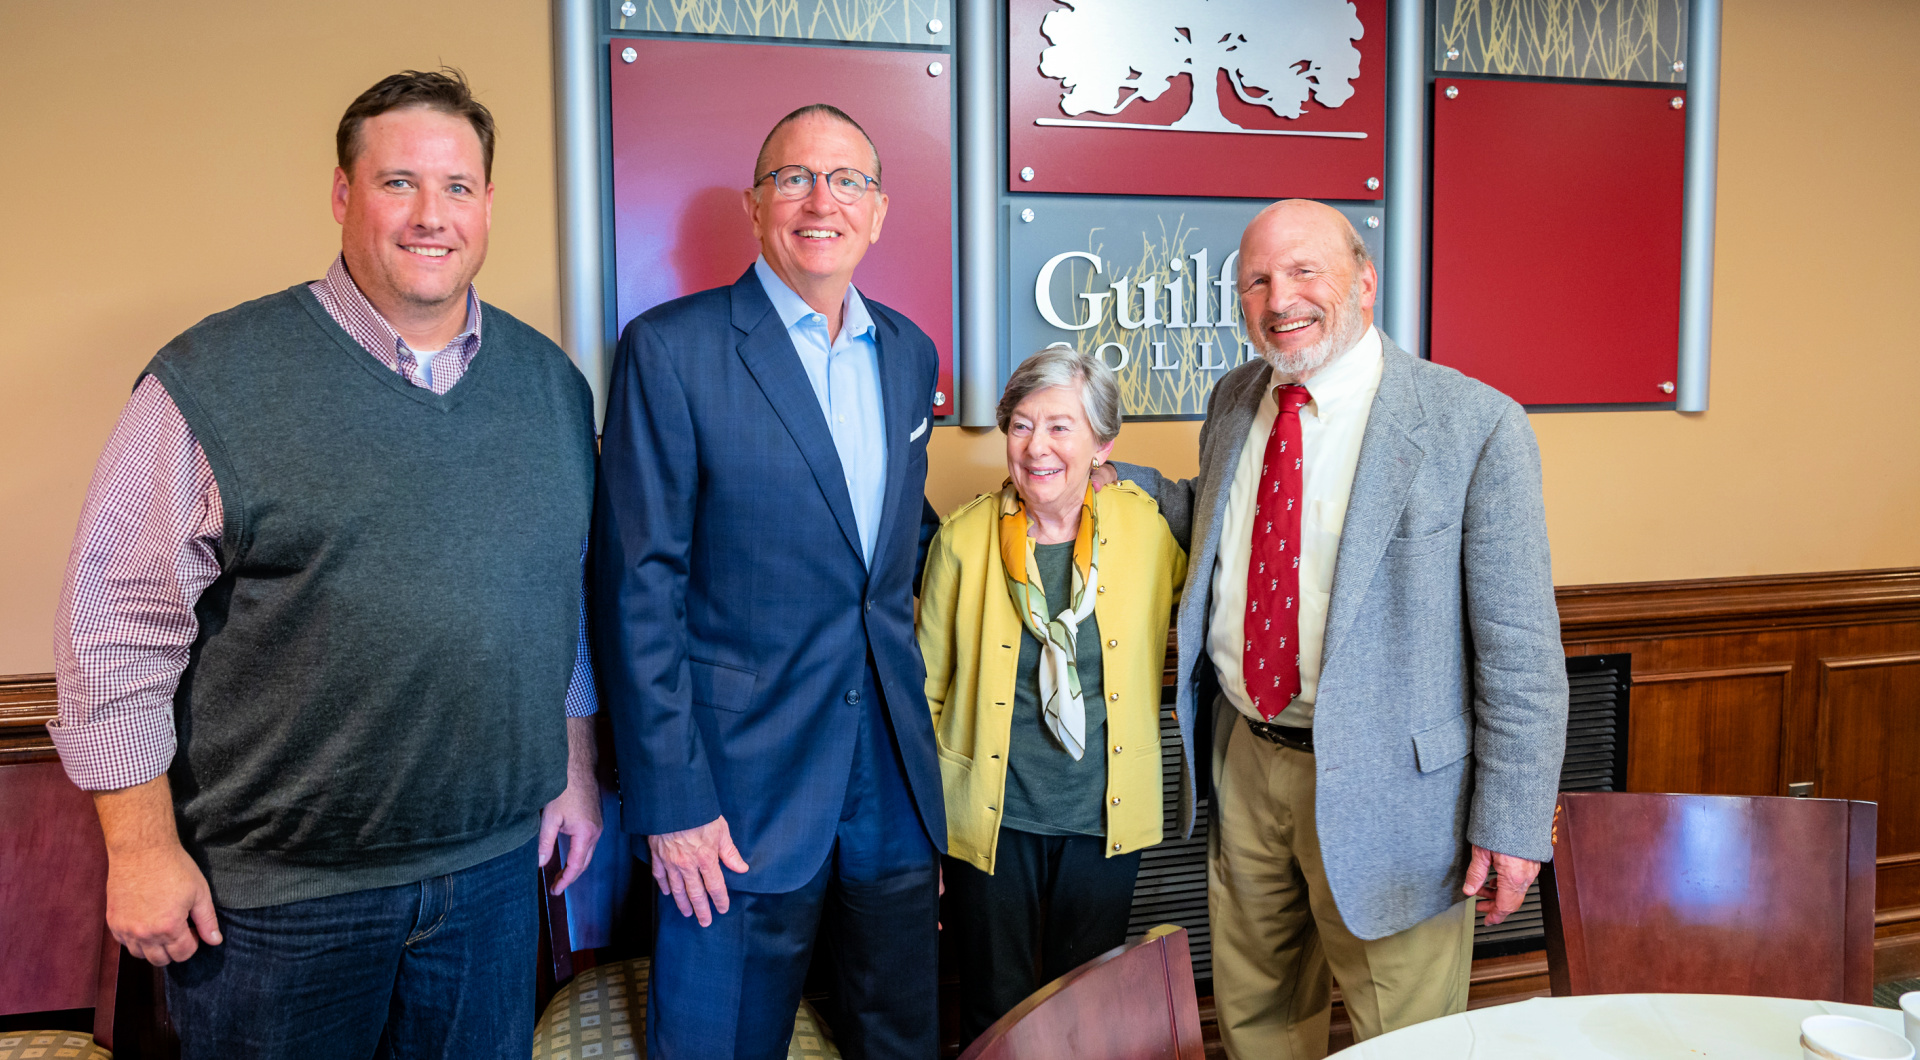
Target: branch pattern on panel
871,21
1613,40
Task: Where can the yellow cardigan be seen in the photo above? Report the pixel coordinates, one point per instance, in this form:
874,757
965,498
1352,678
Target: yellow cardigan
970,637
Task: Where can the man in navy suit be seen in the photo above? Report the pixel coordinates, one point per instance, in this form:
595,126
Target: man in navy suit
757,527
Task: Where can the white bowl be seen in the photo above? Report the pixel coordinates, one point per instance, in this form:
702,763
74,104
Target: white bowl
1910,1015
1846,1038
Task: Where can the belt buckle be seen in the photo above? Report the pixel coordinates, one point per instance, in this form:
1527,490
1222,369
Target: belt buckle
1272,733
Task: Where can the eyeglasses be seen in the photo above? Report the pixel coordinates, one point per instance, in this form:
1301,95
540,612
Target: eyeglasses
796,182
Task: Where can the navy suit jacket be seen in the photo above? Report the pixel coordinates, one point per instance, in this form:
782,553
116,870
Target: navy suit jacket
733,610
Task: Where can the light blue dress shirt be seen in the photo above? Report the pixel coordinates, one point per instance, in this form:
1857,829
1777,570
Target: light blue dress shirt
845,373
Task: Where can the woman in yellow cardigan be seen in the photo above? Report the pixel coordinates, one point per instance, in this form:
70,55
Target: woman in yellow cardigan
1043,622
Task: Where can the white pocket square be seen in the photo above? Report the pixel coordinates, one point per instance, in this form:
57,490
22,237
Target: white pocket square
918,431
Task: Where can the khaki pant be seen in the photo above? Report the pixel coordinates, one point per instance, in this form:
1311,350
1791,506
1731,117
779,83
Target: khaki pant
1277,933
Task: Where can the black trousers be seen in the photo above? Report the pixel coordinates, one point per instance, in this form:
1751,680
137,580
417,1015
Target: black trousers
1052,904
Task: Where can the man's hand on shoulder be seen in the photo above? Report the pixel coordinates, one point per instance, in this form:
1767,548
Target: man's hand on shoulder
156,895
1507,891
1103,476
687,864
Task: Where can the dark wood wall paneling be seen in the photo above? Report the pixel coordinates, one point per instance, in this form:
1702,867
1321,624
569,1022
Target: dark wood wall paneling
1744,686
26,705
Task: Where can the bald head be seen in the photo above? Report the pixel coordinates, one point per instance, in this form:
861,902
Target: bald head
1306,286
812,112
1300,215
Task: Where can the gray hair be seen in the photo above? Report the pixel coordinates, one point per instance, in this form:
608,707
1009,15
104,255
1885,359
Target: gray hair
1362,257
1065,366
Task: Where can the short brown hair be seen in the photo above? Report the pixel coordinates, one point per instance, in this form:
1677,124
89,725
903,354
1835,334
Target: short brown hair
812,110
445,90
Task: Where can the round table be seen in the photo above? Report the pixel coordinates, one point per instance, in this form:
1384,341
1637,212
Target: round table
1615,1027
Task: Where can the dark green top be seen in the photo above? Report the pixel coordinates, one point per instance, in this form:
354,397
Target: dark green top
377,691
1048,793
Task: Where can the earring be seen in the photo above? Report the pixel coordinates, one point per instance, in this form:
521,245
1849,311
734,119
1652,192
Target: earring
1097,461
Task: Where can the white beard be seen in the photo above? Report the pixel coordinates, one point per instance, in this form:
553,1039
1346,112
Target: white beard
1304,362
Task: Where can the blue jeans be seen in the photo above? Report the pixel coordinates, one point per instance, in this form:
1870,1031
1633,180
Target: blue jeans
439,968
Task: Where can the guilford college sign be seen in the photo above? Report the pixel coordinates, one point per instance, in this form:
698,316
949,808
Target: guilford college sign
1118,302
1147,285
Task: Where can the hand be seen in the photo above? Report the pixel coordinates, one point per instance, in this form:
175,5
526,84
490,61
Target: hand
1103,476
687,865
156,897
942,869
576,811
1514,876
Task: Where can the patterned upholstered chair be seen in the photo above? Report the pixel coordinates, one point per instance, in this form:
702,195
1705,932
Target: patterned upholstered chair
50,1045
599,1011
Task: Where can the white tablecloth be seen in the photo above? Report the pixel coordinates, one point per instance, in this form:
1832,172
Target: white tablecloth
1617,1026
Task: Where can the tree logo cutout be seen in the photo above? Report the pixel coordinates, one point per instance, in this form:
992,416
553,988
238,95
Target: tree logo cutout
1109,53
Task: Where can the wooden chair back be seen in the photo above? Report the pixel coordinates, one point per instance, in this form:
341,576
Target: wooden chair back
1131,1003
55,950
1709,894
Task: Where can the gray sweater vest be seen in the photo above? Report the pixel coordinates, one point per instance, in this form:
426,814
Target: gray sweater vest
376,693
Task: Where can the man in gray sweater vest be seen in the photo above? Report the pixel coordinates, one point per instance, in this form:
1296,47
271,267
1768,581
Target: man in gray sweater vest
322,623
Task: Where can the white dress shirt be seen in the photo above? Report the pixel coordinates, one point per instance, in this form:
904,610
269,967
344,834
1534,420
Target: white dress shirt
845,373
1331,427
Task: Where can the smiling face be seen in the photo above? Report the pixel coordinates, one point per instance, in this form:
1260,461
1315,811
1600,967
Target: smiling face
1051,448
814,243
415,214
1304,297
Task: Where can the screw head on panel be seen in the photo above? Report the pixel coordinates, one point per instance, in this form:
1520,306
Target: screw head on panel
1026,172
1373,220
934,25
1373,183
1453,55
1677,102
934,69
628,9
1453,91
1665,388
939,397
1027,214
628,55
1679,66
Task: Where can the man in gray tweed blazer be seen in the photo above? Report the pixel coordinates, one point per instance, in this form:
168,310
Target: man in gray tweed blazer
1369,629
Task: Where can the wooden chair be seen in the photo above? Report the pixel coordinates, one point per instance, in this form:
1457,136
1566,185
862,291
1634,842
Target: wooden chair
1709,894
1131,1003
55,951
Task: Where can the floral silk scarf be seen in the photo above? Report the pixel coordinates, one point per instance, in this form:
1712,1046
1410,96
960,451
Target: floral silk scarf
1060,703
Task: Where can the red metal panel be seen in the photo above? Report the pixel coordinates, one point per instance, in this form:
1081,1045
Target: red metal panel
1153,162
688,119
1556,238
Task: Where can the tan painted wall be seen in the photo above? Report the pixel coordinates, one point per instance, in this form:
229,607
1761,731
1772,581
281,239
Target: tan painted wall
161,162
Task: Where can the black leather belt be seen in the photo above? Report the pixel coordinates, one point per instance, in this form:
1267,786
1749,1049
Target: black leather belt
1295,737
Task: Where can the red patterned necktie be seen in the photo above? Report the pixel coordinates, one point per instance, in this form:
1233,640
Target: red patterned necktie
1271,662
